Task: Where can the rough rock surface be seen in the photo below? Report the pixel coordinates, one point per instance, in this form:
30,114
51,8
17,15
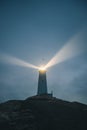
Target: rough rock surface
43,113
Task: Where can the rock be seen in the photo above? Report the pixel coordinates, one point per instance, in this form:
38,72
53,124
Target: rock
43,113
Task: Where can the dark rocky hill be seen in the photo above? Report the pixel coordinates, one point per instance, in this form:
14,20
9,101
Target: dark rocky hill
43,113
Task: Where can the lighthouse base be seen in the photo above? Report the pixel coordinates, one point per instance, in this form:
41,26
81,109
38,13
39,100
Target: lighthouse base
48,95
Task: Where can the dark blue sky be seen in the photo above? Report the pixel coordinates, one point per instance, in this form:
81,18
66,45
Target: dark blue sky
33,30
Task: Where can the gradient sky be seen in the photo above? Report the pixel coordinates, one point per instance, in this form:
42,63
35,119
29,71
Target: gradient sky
34,31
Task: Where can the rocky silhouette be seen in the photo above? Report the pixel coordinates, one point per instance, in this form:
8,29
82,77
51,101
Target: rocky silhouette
42,113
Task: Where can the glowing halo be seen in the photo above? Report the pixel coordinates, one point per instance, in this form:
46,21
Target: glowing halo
42,68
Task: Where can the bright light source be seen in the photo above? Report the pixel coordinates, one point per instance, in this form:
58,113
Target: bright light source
42,68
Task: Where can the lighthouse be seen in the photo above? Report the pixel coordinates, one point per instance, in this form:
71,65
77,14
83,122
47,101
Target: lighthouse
42,83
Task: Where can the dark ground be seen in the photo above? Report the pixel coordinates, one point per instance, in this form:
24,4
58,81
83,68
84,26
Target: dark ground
43,113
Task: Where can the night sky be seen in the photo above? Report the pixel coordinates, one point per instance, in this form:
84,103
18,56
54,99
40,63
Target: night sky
34,31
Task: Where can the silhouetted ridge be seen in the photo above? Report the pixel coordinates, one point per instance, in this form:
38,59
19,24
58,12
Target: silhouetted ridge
43,113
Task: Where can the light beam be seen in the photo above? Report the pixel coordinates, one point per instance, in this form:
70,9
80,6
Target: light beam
71,49
15,61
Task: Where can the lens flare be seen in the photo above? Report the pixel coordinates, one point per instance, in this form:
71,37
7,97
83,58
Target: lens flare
15,61
72,48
